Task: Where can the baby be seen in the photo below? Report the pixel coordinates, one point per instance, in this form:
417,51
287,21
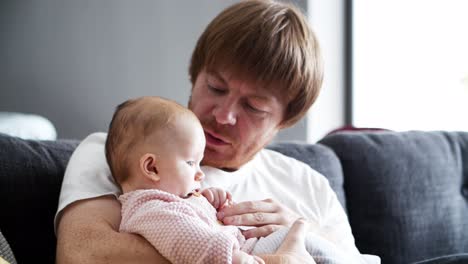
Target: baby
154,149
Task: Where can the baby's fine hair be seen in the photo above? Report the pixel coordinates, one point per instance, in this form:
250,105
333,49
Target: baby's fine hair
133,122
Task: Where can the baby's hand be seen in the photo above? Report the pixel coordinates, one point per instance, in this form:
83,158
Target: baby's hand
217,197
240,257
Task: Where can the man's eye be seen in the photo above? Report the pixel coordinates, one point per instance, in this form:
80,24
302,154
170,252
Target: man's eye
191,163
215,90
254,109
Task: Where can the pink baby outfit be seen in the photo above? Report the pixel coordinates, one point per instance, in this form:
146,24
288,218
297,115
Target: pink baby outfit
182,230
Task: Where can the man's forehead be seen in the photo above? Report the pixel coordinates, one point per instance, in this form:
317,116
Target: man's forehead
258,89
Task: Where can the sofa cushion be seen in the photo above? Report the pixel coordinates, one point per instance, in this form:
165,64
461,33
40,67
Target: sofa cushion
451,259
406,192
318,157
5,251
31,174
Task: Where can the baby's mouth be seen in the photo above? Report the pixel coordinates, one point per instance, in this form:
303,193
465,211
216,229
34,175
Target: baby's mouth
194,192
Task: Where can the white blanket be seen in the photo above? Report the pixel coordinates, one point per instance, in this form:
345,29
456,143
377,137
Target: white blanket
323,251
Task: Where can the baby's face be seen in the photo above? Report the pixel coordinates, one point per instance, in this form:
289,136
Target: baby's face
179,166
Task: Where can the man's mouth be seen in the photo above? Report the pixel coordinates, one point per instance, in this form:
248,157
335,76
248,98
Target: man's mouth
213,139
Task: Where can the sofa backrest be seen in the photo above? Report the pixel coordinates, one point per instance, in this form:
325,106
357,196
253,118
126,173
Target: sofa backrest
31,174
406,192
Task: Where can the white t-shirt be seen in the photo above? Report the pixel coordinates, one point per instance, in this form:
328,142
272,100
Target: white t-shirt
268,175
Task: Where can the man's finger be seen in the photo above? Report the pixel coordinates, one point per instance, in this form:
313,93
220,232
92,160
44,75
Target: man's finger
294,240
258,260
255,219
250,207
262,231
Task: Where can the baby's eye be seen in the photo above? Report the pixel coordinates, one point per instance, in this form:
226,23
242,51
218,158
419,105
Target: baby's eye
191,163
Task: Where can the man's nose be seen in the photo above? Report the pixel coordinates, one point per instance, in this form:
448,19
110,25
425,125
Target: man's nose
225,113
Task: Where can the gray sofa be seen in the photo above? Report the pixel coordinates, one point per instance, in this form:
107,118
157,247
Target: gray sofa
406,193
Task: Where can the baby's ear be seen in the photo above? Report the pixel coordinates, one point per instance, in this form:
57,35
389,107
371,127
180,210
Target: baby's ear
148,166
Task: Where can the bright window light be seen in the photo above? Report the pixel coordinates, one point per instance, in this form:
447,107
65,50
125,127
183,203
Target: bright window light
410,64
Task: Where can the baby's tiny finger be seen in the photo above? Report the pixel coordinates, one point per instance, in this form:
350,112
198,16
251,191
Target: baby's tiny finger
208,195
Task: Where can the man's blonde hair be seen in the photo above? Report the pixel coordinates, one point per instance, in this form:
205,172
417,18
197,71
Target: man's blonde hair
267,42
133,122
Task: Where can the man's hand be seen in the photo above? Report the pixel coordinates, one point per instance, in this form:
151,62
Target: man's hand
266,215
217,197
293,249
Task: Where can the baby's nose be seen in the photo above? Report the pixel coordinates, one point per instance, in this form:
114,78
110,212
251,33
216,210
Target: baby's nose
199,176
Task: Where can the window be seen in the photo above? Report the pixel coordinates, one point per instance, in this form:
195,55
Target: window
410,64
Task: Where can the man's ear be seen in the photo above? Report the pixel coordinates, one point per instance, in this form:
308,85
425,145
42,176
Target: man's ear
148,167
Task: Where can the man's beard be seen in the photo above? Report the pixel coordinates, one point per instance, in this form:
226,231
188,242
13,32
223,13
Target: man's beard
231,160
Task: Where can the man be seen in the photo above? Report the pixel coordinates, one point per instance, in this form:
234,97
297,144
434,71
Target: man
255,70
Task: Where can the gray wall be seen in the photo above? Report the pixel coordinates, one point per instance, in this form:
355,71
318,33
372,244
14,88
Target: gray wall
74,61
